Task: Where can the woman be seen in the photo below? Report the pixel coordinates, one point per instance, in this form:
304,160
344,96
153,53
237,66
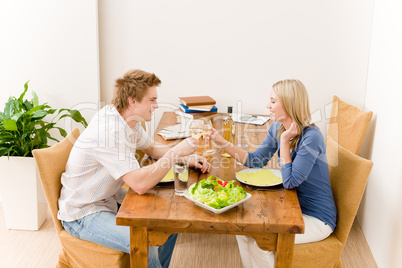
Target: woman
303,163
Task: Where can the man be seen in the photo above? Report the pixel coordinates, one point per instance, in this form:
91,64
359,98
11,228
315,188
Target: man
103,159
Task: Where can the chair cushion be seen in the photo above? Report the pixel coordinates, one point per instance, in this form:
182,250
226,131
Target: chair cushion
348,125
320,254
82,253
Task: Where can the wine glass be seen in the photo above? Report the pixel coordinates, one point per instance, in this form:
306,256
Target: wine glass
196,129
206,134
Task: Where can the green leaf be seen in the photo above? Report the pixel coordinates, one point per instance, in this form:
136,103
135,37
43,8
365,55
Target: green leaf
20,99
76,115
36,140
4,151
51,138
62,132
39,114
17,106
10,124
9,108
28,105
43,137
16,116
35,99
36,108
24,135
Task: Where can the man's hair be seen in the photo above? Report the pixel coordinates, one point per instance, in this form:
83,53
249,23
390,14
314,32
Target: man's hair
134,84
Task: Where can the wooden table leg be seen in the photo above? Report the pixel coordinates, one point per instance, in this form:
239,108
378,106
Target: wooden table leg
138,247
284,250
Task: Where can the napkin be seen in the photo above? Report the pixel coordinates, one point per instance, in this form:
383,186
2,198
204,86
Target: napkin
178,131
262,177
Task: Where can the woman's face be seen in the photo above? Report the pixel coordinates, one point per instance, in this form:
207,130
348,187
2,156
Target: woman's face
275,108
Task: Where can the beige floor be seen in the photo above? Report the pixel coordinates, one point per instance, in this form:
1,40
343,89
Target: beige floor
39,249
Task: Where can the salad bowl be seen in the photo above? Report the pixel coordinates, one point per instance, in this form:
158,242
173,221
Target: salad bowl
214,210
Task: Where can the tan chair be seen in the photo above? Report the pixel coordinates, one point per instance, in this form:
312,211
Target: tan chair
348,174
348,125
51,163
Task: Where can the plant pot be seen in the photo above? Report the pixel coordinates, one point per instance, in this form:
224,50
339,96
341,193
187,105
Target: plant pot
24,202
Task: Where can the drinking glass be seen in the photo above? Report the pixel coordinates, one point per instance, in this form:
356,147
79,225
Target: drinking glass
196,129
180,178
242,142
208,152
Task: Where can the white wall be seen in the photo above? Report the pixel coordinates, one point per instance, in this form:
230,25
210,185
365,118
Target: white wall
234,51
380,214
54,44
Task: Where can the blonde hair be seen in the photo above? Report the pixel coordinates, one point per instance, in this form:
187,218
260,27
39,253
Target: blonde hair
294,99
134,84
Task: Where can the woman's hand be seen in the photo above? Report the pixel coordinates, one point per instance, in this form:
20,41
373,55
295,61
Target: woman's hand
290,133
199,162
217,138
286,138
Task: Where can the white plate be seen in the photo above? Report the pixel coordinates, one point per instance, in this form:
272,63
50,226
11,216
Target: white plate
249,170
214,210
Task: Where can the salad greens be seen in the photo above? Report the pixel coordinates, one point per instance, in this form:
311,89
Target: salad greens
216,193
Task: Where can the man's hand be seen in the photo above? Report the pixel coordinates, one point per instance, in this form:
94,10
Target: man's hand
186,147
199,162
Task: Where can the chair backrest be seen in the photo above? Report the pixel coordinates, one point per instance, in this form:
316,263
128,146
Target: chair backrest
348,125
51,163
348,174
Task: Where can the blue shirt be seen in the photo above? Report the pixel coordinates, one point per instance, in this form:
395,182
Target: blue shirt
308,172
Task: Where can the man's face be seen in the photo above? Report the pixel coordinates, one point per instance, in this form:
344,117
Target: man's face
146,107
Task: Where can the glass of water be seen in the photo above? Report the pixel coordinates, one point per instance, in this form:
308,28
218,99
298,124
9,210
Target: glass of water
180,178
242,142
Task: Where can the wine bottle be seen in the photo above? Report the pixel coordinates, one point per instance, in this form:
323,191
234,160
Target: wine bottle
229,129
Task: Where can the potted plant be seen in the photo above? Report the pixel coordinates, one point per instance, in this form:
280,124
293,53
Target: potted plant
23,128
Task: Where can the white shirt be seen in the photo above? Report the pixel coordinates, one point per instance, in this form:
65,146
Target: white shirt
103,153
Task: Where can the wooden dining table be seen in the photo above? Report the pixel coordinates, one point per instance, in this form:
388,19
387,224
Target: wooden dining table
271,216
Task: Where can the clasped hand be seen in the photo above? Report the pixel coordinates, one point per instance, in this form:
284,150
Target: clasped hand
188,147
290,133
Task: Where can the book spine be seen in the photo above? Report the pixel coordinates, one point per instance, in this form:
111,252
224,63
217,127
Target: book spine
186,109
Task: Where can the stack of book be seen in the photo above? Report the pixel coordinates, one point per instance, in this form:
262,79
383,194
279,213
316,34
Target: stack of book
198,104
